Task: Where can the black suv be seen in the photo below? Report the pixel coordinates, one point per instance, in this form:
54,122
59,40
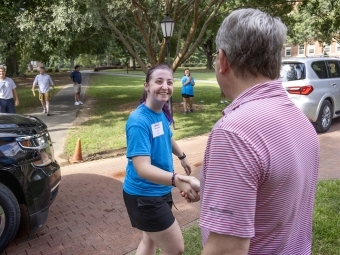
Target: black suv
29,174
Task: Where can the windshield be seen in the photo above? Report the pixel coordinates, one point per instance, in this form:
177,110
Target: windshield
292,71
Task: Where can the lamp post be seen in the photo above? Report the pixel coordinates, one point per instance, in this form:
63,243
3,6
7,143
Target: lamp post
167,25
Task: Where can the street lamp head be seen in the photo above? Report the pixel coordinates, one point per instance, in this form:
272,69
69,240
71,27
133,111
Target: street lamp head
167,25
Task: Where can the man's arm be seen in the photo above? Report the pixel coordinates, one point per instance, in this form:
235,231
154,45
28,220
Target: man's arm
16,97
51,82
226,245
71,76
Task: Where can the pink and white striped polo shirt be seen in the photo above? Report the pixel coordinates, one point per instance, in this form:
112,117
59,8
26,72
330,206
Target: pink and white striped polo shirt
259,173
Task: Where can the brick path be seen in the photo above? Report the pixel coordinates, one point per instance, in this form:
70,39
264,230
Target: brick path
89,216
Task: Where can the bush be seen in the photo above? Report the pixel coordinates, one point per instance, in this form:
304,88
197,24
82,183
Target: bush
49,70
56,70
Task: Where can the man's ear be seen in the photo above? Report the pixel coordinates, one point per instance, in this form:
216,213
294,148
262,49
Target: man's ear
223,62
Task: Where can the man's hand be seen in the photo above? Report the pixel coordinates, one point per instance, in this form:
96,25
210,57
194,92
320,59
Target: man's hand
191,194
33,92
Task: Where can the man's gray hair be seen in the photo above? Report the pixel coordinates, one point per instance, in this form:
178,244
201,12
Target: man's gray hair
252,41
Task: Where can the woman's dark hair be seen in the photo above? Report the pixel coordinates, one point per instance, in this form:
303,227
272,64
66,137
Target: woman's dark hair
142,100
187,69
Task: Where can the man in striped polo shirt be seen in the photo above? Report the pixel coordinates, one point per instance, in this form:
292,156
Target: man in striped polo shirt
260,168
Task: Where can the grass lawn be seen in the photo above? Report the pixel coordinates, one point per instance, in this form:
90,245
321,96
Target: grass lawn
27,101
326,223
116,96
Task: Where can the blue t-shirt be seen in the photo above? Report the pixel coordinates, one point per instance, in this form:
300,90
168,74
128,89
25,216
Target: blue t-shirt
76,76
189,88
147,134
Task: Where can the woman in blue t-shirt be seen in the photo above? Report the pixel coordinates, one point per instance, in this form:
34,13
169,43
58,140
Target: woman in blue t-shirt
188,84
150,172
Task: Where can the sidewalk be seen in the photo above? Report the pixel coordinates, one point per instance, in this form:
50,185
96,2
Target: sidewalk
89,216
63,113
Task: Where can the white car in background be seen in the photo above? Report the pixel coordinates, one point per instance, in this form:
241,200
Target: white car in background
313,84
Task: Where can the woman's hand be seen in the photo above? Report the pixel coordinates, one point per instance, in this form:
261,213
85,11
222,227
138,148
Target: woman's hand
189,187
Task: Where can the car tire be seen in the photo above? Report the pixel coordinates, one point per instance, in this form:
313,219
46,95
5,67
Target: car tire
325,117
9,216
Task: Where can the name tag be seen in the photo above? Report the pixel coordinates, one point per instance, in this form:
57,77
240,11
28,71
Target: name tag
157,129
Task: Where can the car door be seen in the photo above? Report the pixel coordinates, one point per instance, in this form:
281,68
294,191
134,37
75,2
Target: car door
333,67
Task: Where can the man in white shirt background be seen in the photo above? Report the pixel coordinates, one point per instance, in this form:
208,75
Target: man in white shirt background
7,93
44,83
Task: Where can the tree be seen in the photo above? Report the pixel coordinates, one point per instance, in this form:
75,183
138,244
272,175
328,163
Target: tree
316,20
11,38
134,25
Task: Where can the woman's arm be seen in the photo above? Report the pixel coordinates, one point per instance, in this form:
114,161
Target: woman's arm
186,82
154,174
179,153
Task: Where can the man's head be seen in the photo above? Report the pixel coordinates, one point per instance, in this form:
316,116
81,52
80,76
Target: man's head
252,41
41,70
77,67
2,72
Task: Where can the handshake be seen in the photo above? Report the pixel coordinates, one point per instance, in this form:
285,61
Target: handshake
189,187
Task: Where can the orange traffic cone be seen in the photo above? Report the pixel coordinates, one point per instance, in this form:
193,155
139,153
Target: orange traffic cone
77,156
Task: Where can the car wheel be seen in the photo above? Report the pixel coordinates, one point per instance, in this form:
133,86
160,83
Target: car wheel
9,217
324,120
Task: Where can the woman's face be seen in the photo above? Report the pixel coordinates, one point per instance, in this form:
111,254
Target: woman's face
160,87
187,72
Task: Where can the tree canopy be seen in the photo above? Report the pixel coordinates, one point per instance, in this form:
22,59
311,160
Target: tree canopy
68,28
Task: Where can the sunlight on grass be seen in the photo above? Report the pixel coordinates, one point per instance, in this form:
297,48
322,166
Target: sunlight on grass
29,102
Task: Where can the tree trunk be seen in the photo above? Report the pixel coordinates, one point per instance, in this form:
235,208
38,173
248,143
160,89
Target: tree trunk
12,66
208,49
72,63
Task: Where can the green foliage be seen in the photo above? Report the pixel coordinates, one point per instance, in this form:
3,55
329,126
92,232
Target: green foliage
316,20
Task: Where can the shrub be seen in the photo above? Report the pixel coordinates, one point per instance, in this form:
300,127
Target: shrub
56,70
49,70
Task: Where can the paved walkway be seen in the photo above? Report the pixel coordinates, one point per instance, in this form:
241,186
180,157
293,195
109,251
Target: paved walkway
89,216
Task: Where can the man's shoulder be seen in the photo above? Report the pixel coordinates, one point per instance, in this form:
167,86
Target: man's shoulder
9,79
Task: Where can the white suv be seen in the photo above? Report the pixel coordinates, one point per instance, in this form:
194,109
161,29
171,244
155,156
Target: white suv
313,84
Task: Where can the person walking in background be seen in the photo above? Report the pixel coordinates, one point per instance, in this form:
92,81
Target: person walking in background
257,194
188,84
76,79
7,93
150,173
44,83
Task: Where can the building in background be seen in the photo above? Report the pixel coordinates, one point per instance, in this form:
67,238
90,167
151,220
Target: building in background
311,49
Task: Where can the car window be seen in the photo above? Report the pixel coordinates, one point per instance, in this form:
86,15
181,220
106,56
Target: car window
333,68
292,71
319,68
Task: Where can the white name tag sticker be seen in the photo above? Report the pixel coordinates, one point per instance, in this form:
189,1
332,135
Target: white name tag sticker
157,129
